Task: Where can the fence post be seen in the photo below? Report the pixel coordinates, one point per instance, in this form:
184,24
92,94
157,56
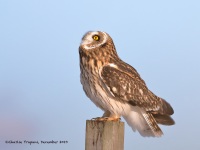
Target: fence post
104,135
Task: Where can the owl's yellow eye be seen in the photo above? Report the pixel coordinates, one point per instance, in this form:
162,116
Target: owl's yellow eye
96,37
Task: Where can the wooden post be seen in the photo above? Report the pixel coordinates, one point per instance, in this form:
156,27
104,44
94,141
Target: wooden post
104,135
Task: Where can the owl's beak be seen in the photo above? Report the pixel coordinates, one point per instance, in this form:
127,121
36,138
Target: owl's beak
84,43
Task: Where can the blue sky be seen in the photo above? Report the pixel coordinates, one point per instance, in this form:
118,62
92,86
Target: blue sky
40,92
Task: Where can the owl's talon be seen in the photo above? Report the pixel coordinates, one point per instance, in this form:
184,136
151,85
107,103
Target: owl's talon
95,118
106,119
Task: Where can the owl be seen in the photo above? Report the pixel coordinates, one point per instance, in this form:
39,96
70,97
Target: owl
116,87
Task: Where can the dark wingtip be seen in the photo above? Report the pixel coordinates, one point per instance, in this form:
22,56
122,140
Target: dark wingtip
164,119
167,108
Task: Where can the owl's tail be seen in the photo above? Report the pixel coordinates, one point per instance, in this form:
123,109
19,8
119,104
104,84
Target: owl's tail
143,122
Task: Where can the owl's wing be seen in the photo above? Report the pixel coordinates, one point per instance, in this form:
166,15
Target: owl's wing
124,83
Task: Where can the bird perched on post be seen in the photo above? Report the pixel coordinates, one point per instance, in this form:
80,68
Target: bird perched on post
117,88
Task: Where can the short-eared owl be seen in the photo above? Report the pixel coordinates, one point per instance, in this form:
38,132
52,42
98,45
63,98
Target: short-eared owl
117,88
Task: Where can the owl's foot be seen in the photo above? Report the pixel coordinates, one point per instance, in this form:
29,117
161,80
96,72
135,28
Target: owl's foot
106,119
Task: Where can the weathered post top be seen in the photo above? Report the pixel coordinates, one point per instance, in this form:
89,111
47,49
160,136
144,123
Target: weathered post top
104,135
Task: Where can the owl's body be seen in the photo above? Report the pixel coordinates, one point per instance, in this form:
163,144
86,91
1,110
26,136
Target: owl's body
117,88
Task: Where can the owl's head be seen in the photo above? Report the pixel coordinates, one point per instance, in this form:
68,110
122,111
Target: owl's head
97,45
93,40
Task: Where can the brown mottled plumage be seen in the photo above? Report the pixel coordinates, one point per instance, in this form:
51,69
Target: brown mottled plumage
117,88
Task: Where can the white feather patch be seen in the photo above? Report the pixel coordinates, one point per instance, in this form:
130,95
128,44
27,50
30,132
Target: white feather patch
135,119
113,65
